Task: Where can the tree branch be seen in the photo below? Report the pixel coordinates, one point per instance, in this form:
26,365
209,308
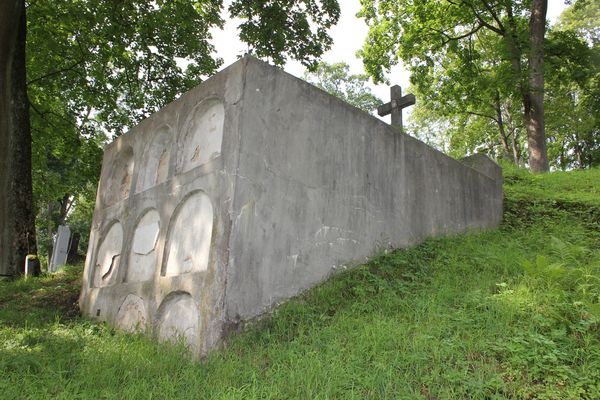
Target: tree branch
57,72
483,22
451,38
494,15
481,115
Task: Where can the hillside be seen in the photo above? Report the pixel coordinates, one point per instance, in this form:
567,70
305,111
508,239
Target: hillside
513,313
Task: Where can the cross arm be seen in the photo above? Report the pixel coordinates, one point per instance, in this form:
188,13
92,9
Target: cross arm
400,103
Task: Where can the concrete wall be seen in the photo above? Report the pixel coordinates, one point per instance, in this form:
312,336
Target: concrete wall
322,183
252,188
159,242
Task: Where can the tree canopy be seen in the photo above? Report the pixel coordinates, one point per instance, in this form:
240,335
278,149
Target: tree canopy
469,55
352,88
471,68
96,68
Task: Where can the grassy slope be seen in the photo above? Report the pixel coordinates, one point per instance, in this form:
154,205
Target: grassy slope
512,313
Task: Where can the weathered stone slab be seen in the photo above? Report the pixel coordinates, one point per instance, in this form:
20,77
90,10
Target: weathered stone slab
60,250
253,187
131,316
109,256
142,259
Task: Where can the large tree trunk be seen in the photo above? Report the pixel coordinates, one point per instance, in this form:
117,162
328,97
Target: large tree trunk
17,223
534,101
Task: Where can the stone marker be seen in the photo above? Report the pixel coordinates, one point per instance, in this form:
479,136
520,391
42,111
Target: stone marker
395,106
60,250
252,188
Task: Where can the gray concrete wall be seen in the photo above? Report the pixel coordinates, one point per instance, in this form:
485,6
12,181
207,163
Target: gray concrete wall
152,175
252,188
322,183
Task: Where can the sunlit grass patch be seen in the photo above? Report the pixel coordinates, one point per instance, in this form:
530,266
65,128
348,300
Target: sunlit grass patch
510,313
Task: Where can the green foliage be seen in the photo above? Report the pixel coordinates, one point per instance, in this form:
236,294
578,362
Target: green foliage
352,88
278,29
97,67
468,64
466,68
510,313
583,17
572,100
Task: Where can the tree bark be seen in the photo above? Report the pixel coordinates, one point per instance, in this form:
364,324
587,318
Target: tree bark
17,223
533,95
500,123
534,101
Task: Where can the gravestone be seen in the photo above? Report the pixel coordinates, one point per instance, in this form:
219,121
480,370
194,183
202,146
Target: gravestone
253,187
60,250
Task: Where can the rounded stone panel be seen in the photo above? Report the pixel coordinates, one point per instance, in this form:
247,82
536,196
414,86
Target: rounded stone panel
142,259
154,167
189,238
179,319
108,256
118,183
131,316
203,136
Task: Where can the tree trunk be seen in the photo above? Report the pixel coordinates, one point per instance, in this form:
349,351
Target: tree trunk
534,100
17,223
500,123
50,221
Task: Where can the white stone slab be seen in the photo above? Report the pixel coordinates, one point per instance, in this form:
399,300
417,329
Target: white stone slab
203,136
155,164
142,260
131,316
118,184
190,233
108,257
179,320
145,236
60,251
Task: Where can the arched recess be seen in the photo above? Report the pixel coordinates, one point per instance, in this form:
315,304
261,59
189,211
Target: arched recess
189,237
154,167
202,136
178,318
118,184
131,316
108,256
142,257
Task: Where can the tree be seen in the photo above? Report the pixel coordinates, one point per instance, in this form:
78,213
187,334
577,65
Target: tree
534,97
583,17
97,67
17,230
352,88
293,28
437,37
573,87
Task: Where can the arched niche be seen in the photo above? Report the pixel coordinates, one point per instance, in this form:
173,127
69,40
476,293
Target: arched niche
189,236
108,256
118,184
131,316
154,167
202,137
142,257
178,319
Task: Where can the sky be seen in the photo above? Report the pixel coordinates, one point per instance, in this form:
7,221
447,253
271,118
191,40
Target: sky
348,36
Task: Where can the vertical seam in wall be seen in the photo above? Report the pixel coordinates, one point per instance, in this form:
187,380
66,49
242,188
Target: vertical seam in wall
235,182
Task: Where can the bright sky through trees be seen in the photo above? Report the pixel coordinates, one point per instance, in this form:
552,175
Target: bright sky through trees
348,36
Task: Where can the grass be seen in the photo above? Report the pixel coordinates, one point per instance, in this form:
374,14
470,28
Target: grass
511,313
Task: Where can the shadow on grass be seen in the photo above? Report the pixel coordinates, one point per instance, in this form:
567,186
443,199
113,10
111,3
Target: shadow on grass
38,301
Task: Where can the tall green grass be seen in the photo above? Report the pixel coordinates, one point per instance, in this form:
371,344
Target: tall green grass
511,313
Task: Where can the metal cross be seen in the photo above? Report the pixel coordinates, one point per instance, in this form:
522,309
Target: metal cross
395,106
